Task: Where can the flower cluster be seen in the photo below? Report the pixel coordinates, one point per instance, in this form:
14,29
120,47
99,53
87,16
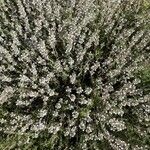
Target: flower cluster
67,74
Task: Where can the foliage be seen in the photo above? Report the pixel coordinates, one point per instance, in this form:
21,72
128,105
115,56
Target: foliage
73,75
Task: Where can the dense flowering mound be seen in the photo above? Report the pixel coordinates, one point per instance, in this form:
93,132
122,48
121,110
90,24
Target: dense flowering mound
67,74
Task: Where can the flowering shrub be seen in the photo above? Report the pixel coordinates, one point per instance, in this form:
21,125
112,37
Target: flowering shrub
68,74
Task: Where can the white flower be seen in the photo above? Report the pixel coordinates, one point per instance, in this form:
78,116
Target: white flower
7,92
71,61
33,94
51,92
24,78
79,90
6,79
73,131
58,106
88,129
55,113
68,89
73,78
117,125
75,114
82,125
38,126
58,66
88,90
66,133
72,97
43,113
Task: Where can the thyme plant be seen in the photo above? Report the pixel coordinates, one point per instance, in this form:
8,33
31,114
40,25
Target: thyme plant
70,75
